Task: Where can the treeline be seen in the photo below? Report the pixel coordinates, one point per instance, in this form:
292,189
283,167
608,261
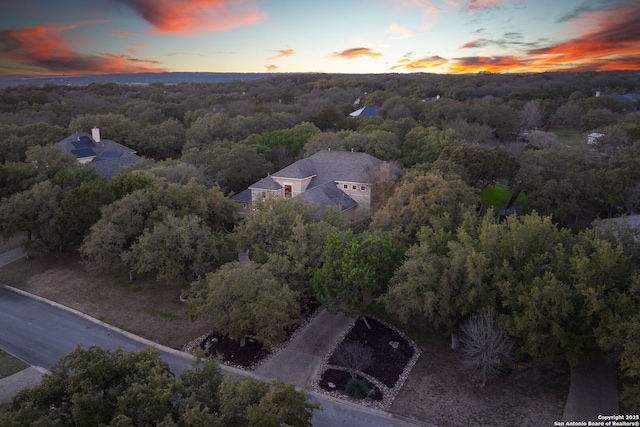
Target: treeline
493,211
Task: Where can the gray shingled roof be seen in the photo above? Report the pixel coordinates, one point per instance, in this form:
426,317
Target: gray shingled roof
328,195
266,183
331,166
108,165
326,168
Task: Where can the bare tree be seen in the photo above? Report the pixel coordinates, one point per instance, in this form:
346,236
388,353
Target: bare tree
353,356
486,346
543,140
532,115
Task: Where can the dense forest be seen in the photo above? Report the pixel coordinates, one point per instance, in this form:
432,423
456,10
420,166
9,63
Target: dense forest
494,209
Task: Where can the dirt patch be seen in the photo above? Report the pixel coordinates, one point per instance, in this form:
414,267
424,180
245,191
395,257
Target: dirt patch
144,307
441,392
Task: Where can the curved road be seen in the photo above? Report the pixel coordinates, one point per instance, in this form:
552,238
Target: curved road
40,332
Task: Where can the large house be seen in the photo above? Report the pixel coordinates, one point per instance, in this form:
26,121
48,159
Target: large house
327,178
106,157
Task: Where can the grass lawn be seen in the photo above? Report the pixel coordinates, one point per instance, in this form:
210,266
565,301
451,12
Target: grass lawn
144,307
495,196
571,138
10,365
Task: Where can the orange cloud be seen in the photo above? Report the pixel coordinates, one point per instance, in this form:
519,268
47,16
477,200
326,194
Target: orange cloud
497,64
281,54
187,16
45,48
356,53
419,64
271,67
613,42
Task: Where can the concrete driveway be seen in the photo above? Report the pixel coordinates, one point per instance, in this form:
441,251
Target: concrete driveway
298,363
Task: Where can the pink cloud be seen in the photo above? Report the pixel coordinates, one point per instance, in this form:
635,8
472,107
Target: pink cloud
612,41
45,48
402,32
356,53
188,16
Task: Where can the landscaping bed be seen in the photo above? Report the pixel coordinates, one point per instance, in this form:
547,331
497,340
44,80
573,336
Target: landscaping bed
393,356
254,353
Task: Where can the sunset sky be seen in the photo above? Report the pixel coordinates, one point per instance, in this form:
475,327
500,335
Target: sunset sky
332,36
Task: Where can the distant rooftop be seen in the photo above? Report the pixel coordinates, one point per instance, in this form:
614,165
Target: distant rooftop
106,157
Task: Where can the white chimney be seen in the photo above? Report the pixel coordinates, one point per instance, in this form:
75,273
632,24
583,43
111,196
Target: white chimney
95,133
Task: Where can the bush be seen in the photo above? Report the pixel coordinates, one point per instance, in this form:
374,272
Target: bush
357,388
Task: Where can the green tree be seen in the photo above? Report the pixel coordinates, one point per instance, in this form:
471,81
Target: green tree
356,269
268,227
94,386
128,218
232,166
379,143
126,183
80,209
178,248
483,166
249,402
424,145
244,299
422,200
33,212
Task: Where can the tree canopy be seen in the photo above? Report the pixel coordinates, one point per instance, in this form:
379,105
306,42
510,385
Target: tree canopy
95,386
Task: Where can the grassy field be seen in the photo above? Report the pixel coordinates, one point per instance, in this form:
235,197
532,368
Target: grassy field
9,365
144,306
571,138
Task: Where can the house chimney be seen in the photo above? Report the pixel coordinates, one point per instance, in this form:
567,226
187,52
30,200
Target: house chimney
95,133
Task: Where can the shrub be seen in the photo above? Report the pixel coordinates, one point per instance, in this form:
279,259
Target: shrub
357,388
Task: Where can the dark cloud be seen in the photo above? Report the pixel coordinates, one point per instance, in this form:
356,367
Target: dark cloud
592,6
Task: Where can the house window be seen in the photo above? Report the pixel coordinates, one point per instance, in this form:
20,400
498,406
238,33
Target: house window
288,191
363,188
345,186
355,187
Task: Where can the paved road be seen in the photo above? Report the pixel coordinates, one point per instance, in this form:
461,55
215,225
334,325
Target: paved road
40,332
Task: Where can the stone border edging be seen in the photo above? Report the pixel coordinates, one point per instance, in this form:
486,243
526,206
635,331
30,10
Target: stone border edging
388,393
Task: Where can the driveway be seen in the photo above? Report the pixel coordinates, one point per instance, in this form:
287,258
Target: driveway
40,332
298,363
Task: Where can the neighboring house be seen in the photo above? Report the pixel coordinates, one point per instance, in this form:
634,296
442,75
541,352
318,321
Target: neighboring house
593,138
630,99
365,112
631,221
327,178
106,157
